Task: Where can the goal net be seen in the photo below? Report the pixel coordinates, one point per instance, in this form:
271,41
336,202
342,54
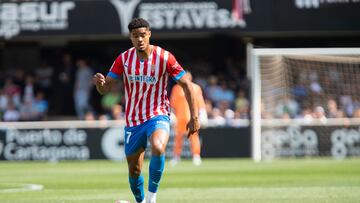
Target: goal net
305,102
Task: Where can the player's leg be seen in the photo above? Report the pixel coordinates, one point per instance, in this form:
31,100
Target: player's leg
195,148
158,133
135,145
158,142
136,180
178,143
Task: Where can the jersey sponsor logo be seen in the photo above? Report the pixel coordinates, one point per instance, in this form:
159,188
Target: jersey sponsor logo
142,78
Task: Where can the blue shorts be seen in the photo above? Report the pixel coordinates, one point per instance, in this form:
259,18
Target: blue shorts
136,136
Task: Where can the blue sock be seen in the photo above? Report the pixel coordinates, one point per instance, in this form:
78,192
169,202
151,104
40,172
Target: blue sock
155,171
137,187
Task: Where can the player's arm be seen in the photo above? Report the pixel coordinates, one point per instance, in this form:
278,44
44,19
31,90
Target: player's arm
103,85
202,107
186,84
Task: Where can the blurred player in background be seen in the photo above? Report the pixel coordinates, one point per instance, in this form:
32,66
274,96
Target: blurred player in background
145,70
181,110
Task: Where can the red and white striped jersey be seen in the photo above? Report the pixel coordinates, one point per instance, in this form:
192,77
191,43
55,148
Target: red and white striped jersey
145,83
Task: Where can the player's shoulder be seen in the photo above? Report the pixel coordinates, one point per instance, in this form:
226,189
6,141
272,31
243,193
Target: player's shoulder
127,51
124,56
162,52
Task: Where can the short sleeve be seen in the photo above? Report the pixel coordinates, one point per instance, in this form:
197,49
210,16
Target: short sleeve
174,68
117,68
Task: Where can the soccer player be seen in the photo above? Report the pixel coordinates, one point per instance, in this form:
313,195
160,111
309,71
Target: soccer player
145,70
181,110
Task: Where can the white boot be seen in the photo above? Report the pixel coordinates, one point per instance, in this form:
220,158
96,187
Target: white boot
174,161
151,197
197,160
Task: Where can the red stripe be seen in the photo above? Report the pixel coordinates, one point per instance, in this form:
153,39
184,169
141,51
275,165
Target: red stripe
141,119
163,95
137,87
167,102
126,83
128,102
152,74
157,88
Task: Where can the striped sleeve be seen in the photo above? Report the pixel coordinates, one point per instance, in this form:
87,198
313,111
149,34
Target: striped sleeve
174,68
117,68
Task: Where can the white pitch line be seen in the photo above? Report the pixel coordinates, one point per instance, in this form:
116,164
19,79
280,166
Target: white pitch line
22,188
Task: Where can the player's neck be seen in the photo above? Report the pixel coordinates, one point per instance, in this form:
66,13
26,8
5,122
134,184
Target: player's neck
143,55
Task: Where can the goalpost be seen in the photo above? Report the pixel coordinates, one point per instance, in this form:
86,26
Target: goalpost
304,102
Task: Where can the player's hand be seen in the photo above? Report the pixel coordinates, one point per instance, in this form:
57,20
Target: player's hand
99,79
193,126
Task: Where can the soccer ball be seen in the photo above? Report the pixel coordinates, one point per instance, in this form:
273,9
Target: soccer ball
122,201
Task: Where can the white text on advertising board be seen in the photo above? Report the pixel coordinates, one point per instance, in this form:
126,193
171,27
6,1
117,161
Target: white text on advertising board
33,16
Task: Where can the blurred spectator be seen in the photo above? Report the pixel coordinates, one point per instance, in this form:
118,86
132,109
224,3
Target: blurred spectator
334,75
217,118
300,91
242,105
11,113
356,113
65,74
4,99
223,94
332,109
41,105
340,114
265,114
19,78
306,114
44,76
117,112
28,111
287,106
212,88
30,88
229,115
209,108
89,116
110,99
319,113
13,91
347,104
82,89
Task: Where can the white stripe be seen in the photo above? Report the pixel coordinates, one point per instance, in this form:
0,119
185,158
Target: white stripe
126,73
167,102
140,93
166,55
112,66
133,87
146,91
157,67
125,76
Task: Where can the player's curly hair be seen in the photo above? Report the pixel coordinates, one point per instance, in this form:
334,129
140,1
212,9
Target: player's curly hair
138,23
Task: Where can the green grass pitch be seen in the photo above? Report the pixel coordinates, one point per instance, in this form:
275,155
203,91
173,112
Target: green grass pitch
217,180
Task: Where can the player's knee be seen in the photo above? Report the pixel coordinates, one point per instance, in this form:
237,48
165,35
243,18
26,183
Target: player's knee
134,171
158,148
